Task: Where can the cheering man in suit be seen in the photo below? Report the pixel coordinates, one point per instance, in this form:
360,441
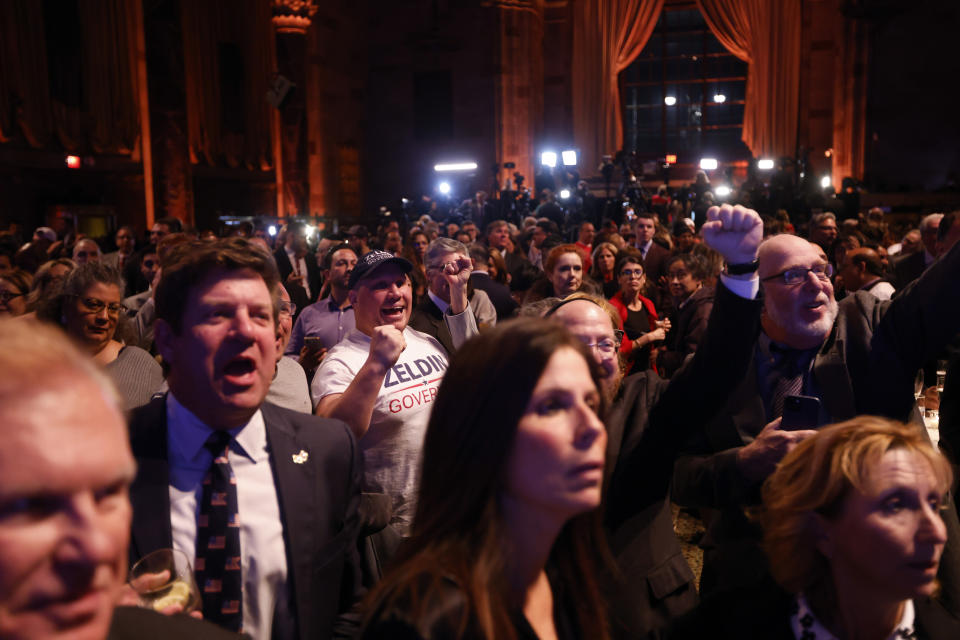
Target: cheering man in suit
264,499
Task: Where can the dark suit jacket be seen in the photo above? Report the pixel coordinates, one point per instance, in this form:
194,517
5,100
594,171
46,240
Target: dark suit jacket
499,295
646,428
908,268
427,318
135,623
319,504
866,366
655,267
298,294
687,328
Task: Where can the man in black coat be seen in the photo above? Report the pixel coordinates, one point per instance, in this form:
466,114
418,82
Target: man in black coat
288,518
647,424
499,294
857,357
299,271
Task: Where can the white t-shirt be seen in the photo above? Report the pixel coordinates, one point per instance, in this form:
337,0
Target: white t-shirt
393,445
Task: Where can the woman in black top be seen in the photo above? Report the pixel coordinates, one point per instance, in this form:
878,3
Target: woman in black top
506,532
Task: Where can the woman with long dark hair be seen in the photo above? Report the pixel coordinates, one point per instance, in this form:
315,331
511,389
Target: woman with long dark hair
506,532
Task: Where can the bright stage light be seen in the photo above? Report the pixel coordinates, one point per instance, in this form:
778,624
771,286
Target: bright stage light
548,158
708,164
825,182
722,191
670,101
569,158
719,98
564,194
73,162
444,188
272,230
765,164
455,166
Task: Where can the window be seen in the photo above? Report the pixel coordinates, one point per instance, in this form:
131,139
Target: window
684,61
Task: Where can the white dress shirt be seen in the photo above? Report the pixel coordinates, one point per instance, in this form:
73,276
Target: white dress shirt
262,549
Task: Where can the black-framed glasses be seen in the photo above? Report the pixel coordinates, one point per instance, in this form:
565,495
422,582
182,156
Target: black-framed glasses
797,275
630,273
95,305
7,296
606,346
288,308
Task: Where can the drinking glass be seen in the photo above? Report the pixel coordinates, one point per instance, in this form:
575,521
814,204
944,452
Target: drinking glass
164,579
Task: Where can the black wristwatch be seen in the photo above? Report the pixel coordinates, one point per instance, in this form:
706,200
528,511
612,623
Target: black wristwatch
743,268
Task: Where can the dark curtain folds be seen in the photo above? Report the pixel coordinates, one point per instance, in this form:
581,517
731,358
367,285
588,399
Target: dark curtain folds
248,25
766,35
607,36
107,119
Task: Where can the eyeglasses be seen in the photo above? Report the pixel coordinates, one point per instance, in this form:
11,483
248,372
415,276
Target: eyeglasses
630,273
7,296
797,275
606,346
287,308
677,275
93,305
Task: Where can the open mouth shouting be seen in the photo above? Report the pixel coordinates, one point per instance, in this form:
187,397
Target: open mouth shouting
240,371
393,313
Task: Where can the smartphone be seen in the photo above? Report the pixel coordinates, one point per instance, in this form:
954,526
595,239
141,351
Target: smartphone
800,412
313,343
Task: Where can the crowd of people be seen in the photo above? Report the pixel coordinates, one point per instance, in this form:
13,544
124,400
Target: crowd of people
476,428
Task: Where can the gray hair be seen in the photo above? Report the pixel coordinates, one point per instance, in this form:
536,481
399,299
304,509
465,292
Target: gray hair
929,221
441,246
817,218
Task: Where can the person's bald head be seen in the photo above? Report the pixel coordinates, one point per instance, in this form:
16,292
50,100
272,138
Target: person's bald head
799,307
594,321
860,267
86,250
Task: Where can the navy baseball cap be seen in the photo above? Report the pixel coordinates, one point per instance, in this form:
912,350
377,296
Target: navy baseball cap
372,261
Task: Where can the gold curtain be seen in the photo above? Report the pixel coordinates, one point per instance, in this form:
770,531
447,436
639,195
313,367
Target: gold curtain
107,121
247,23
849,100
766,35
24,89
607,36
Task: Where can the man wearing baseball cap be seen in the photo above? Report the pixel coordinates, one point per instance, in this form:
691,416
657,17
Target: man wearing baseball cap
382,378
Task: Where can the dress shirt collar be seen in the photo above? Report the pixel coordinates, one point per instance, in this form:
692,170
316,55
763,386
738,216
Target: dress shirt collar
332,305
645,247
187,439
443,306
688,298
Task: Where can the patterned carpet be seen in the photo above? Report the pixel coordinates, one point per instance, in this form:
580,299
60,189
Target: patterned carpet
689,530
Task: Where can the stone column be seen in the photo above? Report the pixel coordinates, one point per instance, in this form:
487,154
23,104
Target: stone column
291,19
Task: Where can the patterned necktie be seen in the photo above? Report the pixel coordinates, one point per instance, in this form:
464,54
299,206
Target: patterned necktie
218,540
789,381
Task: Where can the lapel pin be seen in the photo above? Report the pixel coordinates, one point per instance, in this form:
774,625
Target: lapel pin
300,458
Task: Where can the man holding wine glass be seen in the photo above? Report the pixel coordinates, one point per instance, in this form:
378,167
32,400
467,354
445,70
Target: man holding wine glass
263,500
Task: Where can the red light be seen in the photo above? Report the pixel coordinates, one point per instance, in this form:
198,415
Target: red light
73,162
671,158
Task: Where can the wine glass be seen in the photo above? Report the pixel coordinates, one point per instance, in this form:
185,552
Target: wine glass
164,579
918,385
